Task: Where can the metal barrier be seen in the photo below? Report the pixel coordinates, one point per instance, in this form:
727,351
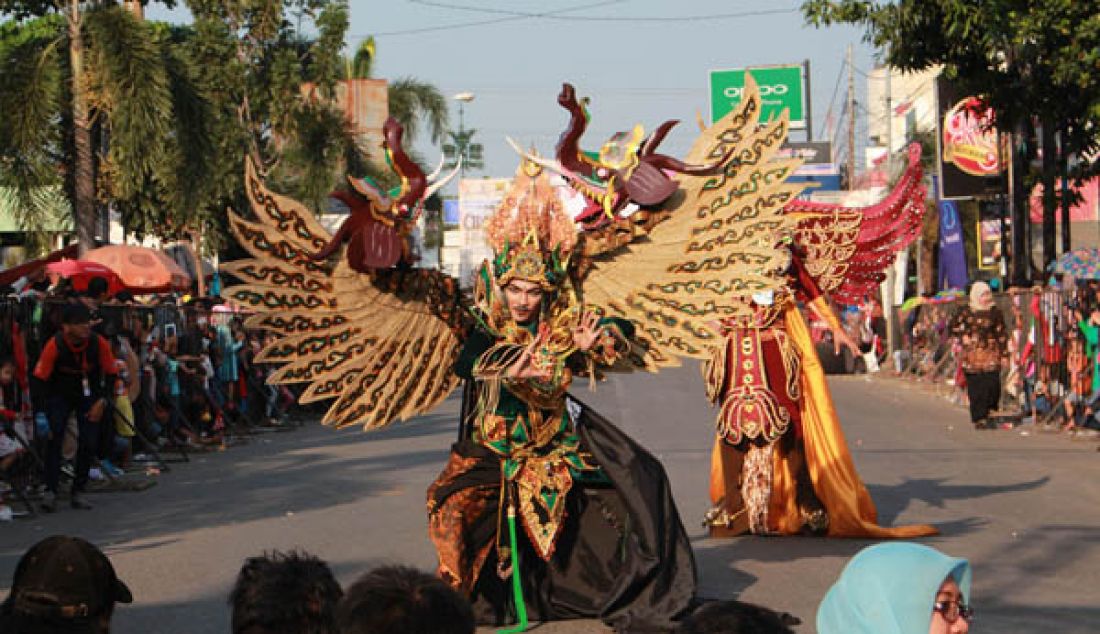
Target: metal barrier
28,323
1040,323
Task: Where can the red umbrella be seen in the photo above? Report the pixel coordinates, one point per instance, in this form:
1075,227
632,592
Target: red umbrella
80,272
142,270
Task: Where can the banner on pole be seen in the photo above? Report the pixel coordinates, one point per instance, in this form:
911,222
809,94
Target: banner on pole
952,268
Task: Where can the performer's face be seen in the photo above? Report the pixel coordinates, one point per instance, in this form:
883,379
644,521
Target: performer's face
950,597
524,299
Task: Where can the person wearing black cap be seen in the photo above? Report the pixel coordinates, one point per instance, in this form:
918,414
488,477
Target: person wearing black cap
75,373
63,584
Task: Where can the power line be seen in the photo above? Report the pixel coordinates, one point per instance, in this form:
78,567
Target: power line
601,18
510,17
560,14
512,12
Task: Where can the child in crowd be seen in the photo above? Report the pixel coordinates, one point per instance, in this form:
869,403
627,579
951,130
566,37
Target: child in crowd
125,362
170,398
12,431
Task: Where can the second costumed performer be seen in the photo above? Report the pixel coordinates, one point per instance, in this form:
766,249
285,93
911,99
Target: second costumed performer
545,510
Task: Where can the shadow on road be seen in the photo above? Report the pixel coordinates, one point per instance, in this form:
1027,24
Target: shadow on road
891,500
274,474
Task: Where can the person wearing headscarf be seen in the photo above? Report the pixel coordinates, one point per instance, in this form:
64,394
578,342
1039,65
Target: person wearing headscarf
979,327
898,588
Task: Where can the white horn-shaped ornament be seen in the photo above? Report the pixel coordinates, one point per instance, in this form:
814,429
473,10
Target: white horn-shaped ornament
438,185
538,160
438,169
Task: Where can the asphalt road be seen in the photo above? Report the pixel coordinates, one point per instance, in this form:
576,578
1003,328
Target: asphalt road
1024,509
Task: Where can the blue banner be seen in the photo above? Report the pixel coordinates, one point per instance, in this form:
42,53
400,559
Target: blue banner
952,268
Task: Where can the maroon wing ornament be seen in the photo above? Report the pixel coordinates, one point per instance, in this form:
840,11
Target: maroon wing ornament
847,249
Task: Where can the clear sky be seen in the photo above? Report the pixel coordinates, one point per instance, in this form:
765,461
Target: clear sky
640,61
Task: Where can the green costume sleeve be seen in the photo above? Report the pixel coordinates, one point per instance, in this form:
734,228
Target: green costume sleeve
625,326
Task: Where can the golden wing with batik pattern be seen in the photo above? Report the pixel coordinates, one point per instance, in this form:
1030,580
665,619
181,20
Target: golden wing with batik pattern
714,246
380,344
847,249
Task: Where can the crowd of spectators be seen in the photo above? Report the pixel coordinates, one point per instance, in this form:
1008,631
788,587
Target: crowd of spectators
93,386
1038,347
66,585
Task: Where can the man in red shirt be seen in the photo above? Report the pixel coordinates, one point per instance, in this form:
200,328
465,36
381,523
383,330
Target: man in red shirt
74,374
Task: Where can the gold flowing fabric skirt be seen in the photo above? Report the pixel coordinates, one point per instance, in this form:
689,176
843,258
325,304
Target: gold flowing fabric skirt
836,484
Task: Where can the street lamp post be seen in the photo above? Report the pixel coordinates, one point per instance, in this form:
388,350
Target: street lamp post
462,145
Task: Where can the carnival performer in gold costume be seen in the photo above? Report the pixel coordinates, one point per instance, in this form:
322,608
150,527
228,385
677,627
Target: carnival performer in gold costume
545,510
719,277
780,463
532,456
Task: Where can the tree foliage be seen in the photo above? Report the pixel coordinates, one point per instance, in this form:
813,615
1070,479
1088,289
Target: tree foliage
258,59
31,92
1032,61
411,101
147,120
173,110
1025,57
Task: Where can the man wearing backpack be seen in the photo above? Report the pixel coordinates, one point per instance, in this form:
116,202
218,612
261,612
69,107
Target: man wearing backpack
74,374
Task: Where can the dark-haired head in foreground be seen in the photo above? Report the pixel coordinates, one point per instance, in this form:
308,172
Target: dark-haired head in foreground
395,599
735,617
284,593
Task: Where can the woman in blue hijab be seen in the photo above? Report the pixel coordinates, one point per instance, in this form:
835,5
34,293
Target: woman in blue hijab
898,588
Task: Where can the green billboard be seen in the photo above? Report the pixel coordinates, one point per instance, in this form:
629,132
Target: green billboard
781,88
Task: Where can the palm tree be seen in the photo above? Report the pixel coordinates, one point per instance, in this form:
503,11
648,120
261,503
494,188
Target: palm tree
117,119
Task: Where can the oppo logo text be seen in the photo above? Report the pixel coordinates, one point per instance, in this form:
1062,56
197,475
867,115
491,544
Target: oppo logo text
774,90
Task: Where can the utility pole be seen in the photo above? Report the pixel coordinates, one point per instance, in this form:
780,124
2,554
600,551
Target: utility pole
809,102
851,122
889,285
889,118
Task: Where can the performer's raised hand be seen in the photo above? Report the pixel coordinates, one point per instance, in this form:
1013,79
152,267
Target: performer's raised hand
527,366
587,331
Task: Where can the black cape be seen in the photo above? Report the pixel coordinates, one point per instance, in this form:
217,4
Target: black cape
623,555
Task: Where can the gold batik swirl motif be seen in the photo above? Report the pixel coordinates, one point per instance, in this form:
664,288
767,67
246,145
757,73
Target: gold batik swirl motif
287,216
293,322
717,246
276,275
381,345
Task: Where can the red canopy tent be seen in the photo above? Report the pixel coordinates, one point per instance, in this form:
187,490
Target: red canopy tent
9,276
80,272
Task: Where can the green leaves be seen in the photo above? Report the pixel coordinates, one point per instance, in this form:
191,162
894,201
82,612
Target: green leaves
128,89
31,89
271,87
411,101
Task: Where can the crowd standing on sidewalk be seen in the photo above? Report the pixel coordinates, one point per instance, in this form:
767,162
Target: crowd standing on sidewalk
1022,357
96,388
